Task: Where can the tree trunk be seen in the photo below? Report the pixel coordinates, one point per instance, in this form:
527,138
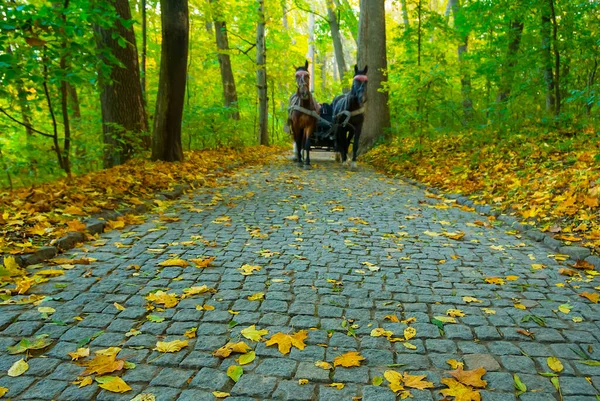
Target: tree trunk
311,51
284,18
352,20
556,59
166,136
465,77
337,39
123,115
64,95
229,91
261,77
515,34
590,85
547,57
363,36
22,99
144,50
405,13
377,117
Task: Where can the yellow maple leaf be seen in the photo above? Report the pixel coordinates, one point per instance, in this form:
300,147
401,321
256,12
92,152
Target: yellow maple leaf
348,359
445,319
113,384
189,292
80,353
337,386
323,365
191,333
75,226
470,377
592,296
171,346
259,296
302,381
416,381
392,318
512,278
83,381
226,350
489,311
454,364
459,391
162,298
251,333
455,313
286,341
247,269
380,332
102,364
203,262
468,299
174,262
395,380
494,280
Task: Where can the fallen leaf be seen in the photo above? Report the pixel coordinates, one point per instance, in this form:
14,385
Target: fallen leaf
470,377
18,368
455,313
348,359
302,382
392,318
162,298
119,306
565,308
323,365
494,280
191,333
113,384
337,386
203,262
593,297
226,350
416,381
247,358
171,346
470,299
83,381
259,296
249,269
102,364
489,311
175,262
395,380
144,397
409,332
80,353
235,372
454,364
220,394
3,391
286,341
252,334
512,278
445,319
459,391
26,344
380,332
409,346
554,364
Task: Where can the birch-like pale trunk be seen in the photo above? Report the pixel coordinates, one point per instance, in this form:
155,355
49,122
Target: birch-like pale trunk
311,50
261,77
338,45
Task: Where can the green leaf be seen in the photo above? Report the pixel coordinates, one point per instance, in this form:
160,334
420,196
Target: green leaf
122,42
519,385
232,324
396,365
26,344
590,363
247,358
547,374
555,383
377,380
235,372
155,319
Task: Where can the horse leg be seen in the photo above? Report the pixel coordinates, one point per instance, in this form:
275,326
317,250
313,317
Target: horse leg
307,134
295,152
355,145
298,148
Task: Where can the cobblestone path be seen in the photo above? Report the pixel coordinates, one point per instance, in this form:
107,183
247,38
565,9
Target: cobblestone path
340,253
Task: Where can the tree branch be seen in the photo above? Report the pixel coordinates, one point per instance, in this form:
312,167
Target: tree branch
238,36
303,8
25,125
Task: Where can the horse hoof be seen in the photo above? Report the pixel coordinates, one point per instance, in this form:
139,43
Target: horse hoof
307,167
353,166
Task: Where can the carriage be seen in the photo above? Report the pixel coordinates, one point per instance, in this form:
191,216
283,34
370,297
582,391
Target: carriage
324,136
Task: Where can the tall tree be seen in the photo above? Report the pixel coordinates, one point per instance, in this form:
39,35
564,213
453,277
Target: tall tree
515,32
261,76
338,45
229,91
144,48
344,7
454,6
123,116
557,95
547,55
166,136
372,51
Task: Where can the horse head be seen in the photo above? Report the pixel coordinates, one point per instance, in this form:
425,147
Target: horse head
359,85
303,81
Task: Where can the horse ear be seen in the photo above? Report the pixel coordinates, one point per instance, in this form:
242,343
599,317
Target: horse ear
306,65
355,69
366,70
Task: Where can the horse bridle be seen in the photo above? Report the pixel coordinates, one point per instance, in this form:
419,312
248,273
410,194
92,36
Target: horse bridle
300,78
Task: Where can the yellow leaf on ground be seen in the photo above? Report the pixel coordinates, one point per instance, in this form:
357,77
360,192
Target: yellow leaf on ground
220,394
470,377
380,332
555,364
18,368
592,296
144,397
455,313
416,381
292,218
454,364
3,391
323,365
470,299
235,372
203,262
249,269
83,381
252,334
445,319
409,346
110,351
392,318
119,306
80,353
259,296
286,341
409,333
175,262
226,350
171,346
189,292
102,364
489,311
162,298
46,309
512,278
459,391
49,273
565,308
191,333
302,381
520,306
494,280
338,386
395,380
247,358
348,359
113,384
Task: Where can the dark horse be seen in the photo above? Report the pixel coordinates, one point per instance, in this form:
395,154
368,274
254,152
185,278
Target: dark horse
303,108
349,114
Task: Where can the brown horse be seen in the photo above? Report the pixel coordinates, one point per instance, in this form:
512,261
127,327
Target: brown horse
302,121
